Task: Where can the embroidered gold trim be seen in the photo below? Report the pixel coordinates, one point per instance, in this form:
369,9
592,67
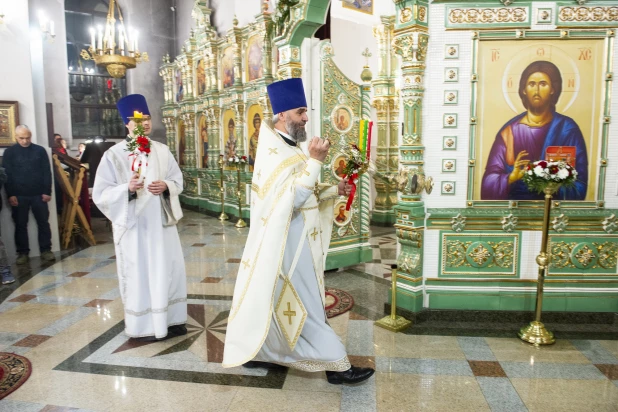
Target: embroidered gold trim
318,366
158,310
152,334
262,191
291,340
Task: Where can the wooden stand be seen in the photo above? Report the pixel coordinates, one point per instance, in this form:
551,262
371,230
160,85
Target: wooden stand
72,211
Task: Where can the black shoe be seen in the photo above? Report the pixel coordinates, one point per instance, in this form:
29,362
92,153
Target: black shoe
176,330
352,375
258,364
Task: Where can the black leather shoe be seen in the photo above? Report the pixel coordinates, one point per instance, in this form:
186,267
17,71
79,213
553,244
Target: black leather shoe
258,364
352,375
176,330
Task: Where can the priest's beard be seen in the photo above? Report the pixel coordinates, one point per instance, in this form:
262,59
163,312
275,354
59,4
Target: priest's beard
296,130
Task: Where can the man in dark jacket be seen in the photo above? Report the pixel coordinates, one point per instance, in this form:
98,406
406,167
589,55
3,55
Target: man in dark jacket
28,187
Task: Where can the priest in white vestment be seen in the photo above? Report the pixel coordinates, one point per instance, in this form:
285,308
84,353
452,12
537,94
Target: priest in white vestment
277,315
138,192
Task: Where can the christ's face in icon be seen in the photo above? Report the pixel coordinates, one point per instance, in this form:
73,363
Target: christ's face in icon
538,92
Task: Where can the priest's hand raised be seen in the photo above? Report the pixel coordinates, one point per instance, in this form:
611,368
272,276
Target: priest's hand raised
135,184
318,148
157,187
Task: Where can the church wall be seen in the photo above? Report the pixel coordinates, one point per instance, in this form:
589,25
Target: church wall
571,288
20,84
56,67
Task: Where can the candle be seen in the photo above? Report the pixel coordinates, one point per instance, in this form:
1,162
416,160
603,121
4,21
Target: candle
121,42
362,136
52,31
136,46
369,140
92,39
137,115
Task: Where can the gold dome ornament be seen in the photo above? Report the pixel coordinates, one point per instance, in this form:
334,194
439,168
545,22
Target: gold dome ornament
115,57
366,74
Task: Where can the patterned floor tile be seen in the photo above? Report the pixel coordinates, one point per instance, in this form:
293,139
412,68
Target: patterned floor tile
32,341
487,368
611,371
98,303
78,274
23,298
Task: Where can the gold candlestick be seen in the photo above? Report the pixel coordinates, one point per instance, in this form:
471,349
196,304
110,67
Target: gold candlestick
222,216
393,322
535,332
241,223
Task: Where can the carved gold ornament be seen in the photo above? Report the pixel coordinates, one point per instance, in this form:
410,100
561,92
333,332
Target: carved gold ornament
585,255
480,255
588,14
406,15
448,188
487,15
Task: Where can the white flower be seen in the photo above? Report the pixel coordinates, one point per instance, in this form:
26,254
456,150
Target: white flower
530,172
538,170
563,173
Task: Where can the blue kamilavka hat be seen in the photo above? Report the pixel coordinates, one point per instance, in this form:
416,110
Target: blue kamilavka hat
287,95
132,103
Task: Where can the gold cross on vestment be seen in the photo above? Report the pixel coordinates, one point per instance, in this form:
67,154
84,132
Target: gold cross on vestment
259,174
289,313
246,263
314,234
264,219
272,151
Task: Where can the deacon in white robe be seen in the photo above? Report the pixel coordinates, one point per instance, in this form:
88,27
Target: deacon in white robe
277,314
150,263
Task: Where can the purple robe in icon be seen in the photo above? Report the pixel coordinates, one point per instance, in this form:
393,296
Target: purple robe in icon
514,137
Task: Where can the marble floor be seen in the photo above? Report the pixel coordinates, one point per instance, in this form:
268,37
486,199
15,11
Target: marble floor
67,320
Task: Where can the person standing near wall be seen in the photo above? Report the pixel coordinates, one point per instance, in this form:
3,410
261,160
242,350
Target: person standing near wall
28,186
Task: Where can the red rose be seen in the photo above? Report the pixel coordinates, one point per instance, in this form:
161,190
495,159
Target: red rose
542,163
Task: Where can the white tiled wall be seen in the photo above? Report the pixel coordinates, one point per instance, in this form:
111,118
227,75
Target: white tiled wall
435,108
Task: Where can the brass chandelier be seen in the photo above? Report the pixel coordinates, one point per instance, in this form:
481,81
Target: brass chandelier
116,57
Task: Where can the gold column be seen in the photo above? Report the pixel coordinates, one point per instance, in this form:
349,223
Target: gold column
385,103
289,62
189,155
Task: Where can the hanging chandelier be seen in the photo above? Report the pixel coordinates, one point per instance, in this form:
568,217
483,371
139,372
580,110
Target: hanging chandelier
115,57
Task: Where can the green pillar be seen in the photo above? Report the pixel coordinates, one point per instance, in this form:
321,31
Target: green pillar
410,44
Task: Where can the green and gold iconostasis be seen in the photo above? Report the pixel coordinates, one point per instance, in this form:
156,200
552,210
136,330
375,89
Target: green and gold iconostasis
216,101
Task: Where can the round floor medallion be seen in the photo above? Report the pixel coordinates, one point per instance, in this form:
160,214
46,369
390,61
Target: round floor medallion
14,371
337,302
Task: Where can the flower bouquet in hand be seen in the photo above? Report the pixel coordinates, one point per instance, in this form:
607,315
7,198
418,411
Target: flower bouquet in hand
543,176
138,147
357,164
